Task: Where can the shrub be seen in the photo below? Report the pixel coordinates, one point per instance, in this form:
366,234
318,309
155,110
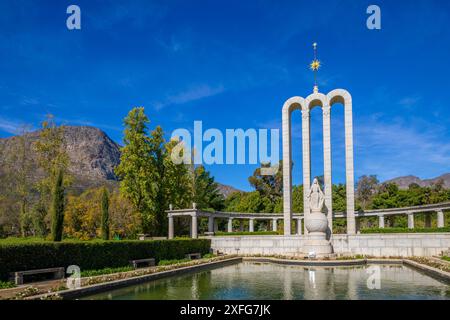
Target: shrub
7,284
405,230
246,233
174,261
92,255
93,273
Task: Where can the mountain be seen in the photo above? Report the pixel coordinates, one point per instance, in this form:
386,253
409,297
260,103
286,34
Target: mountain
93,155
226,190
404,182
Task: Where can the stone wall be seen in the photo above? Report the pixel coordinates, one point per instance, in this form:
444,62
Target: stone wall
378,245
394,245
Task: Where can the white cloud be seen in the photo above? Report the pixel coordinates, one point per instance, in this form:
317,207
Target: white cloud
192,94
394,148
12,126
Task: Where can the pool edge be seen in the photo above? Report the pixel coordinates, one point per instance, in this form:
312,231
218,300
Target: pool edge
117,284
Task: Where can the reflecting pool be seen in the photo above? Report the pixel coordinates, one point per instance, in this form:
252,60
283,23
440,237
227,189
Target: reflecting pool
249,280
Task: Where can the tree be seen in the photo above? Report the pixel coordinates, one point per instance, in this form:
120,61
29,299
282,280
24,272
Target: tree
138,180
207,195
365,189
52,159
24,166
158,200
58,208
105,214
178,179
270,186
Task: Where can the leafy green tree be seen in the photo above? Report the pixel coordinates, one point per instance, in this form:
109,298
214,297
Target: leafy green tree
207,195
52,158
105,214
270,186
178,178
365,189
136,171
58,208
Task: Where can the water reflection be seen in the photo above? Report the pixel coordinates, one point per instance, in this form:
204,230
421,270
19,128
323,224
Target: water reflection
269,281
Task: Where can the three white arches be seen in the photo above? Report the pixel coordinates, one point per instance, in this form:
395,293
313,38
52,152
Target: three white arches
305,105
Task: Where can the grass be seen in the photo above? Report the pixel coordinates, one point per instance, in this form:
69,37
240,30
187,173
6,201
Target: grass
446,258
7,284
174,261
246,233
94,273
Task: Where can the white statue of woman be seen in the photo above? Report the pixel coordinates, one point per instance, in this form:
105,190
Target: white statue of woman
316,197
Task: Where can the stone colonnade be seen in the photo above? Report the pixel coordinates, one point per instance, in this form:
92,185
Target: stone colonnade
273,218
410,215
305,105
195,215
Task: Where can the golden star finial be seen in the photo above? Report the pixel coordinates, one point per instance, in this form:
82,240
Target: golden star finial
315,66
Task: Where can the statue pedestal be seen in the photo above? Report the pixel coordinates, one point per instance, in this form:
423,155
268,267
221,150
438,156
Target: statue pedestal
316,241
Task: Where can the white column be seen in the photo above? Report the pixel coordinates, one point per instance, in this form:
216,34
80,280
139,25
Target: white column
194,233
287,170
210,224
299,226
251,226
410,221
381,221
274,225
349,173
440,219
306,149
327,165
171,230
230,225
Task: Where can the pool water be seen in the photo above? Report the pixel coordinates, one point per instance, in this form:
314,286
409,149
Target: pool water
249,280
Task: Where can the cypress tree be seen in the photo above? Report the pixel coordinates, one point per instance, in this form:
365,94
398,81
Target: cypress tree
105,214
58,208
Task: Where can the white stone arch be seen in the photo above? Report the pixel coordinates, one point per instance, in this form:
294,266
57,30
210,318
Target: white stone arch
343,97
294,103
316,100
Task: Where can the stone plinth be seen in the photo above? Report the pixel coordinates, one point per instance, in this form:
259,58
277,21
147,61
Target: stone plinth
316,241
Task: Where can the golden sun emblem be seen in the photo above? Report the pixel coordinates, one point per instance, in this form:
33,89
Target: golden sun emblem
315,65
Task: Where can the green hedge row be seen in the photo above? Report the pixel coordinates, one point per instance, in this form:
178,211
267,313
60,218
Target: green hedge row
405,230
246,233
93,255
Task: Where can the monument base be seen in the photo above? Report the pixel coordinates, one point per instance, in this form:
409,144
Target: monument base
317,244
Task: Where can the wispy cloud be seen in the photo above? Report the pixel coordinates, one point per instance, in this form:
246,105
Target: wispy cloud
393,148
192,94
13,126
409,102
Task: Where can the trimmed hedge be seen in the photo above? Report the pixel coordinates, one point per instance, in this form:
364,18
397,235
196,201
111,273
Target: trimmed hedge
93,255
246,233
405,230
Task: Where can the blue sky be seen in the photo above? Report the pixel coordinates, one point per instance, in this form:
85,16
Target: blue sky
232,64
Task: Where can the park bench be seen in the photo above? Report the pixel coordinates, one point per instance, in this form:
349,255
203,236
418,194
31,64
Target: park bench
193,256
139,262
58,273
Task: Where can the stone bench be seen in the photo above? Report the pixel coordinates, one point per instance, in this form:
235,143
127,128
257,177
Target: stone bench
147,262
58,273
193,256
